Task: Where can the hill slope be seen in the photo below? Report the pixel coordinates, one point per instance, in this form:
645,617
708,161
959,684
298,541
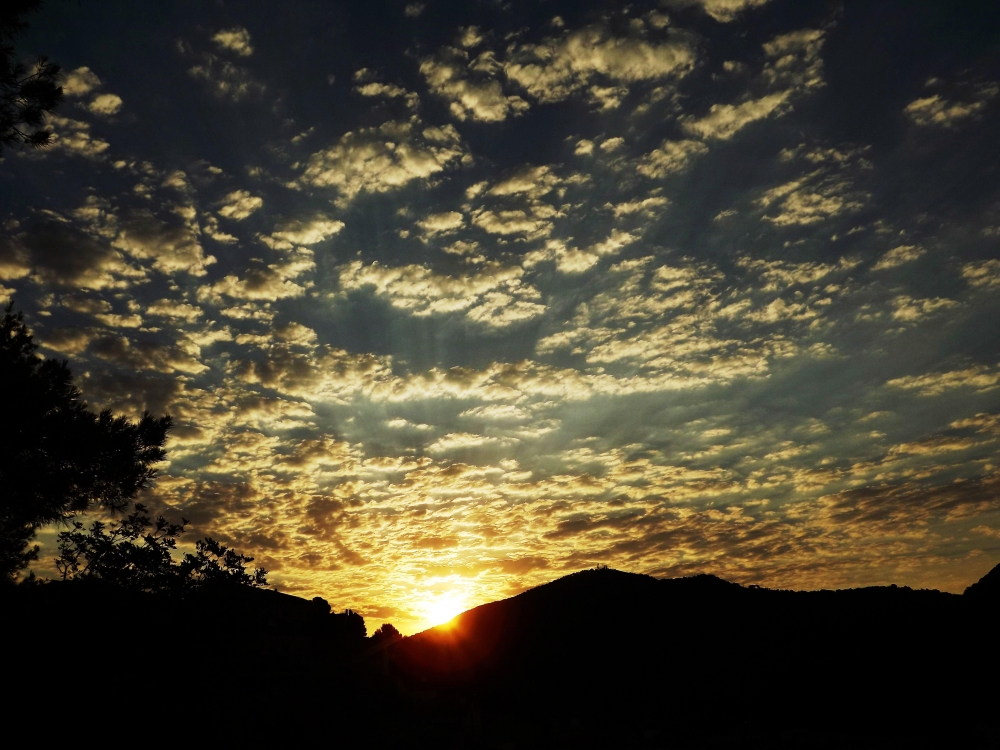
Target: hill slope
623,657
598,659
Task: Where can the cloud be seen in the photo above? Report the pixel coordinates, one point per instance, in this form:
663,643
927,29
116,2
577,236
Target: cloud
607,97
495,295
572,260
904,507
73,137
671,157
910,310
497,413
239,204
178,180
86,305
723,121
105,105
651,206
442,223
143,354
457,441
898,256
513,205
471,87
818,195
383,158
983,274
979,378
567,259
721,10
67,340
226,79
933,446
794,67
470,36
80,82
172,309
57,254
794,61
982,423
236,40
780,275
388,91
412,10
936,111
302,232
530,181
211,228
272,282
809,200
561,66
325,375
674,326
113,320
295,333
521,565
174,248
463,248
533,221
400,424
15,259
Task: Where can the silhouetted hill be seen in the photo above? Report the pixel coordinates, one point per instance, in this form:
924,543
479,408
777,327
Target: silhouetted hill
986,588
597,659
604,658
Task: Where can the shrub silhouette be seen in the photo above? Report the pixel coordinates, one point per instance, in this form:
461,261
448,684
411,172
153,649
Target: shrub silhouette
135,554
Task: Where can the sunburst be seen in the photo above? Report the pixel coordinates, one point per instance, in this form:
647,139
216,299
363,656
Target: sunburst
442,608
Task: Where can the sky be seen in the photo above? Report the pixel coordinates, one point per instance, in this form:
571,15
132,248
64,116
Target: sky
448,300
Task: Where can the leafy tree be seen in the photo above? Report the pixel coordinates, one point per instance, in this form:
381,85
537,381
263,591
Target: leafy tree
60,458
26,95
136,554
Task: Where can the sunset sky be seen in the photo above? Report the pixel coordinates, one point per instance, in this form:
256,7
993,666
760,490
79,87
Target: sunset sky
450,299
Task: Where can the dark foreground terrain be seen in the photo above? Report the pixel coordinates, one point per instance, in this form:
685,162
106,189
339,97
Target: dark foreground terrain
598,659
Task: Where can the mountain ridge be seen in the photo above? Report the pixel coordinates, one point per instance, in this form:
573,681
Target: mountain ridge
600,658
671,653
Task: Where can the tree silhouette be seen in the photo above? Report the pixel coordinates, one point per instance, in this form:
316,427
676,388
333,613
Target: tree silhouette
136,554
351,625
60,458
386,634
26,94
214,563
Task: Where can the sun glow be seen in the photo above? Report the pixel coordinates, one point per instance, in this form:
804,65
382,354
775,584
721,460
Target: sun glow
441,608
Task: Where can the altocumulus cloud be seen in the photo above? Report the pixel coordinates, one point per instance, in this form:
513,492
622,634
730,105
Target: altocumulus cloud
499,294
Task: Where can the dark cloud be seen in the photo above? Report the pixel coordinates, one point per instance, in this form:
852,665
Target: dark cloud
56,254
905,507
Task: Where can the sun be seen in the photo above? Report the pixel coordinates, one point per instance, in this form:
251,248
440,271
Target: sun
442,608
